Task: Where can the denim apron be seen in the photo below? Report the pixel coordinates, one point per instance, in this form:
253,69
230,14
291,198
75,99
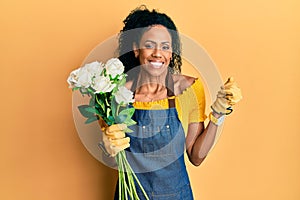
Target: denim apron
156,154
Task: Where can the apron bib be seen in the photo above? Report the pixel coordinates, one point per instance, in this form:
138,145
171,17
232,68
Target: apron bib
156,154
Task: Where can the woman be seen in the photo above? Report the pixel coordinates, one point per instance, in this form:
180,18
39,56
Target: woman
169,108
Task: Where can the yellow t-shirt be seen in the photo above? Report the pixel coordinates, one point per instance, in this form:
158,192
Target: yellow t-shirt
190,105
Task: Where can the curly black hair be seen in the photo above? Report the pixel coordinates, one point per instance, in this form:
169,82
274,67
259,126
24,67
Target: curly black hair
135,25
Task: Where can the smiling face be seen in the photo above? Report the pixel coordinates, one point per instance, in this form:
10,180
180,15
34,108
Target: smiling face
154,51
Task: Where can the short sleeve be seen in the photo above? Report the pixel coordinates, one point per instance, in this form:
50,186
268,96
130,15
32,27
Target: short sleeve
197,103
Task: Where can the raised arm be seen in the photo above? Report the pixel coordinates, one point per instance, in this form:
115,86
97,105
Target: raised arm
200,139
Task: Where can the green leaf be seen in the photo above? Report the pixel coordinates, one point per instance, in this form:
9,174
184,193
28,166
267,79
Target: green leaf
129,122
122,81
128,130
110,120
121,118
84,112
92,110
113,105
117,77
114,90
75,88
125,116
92,100
100,110
90,90
128,111
91,119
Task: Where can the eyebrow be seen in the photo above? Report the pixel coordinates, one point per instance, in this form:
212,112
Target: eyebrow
166,42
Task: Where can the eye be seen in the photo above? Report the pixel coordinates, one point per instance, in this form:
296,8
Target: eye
149,46
166,47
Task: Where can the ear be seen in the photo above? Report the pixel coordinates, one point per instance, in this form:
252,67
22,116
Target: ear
135,50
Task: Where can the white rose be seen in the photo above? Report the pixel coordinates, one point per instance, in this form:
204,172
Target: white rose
94,68
84,78
114,67
123,95
72,79
102,84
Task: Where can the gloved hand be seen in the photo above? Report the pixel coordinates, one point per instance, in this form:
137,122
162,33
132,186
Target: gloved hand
228,96
114,139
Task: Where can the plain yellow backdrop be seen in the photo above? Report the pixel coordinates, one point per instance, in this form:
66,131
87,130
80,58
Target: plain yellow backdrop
257,42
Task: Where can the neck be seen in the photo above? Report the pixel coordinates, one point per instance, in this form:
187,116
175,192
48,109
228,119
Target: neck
151,87
147,78
150,82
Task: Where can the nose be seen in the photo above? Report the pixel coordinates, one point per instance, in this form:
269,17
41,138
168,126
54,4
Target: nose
156,53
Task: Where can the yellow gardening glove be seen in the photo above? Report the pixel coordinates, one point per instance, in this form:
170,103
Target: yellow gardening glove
114,139
228,96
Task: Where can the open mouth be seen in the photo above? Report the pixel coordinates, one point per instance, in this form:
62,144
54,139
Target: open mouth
156,64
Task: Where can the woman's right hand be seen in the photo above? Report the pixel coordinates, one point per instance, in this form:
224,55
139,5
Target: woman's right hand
114,139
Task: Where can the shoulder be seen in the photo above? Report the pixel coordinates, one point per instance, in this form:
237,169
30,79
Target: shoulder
182,82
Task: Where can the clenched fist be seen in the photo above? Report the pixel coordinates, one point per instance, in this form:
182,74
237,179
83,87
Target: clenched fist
114,139
228,96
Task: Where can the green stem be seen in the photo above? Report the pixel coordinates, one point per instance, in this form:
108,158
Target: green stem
117,110
129,177
121,168
135,177
131,188
99,102
120,177
107,104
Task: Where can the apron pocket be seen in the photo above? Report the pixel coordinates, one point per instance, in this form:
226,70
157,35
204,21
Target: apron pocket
157,141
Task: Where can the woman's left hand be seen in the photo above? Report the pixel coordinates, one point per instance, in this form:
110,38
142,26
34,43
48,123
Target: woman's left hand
229,95
233,93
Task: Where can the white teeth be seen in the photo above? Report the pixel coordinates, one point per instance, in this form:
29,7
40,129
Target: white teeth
156,64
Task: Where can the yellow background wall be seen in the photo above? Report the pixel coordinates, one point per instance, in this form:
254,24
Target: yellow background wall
41,155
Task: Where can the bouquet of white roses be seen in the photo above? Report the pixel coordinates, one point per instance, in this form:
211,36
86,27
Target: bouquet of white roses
109,104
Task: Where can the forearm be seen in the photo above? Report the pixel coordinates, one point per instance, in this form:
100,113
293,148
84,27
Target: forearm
203,143
200,140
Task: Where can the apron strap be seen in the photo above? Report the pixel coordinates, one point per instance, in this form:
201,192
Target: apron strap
170,90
